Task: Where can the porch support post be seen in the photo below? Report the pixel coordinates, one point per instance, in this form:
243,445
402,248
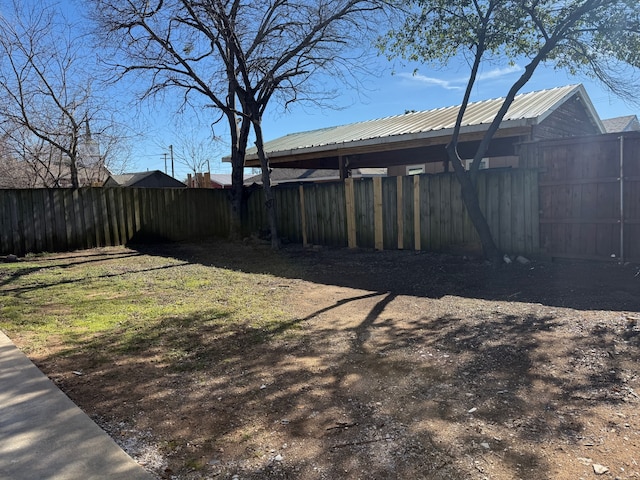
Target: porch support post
342,166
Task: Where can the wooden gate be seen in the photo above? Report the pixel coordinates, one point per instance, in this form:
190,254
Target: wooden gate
589,196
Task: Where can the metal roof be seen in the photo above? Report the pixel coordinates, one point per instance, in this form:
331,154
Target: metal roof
526,109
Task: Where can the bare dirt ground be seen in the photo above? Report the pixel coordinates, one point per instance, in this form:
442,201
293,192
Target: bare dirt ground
403,366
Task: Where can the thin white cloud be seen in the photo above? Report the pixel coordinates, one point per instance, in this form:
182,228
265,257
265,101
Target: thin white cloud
431,81
499,72
459,83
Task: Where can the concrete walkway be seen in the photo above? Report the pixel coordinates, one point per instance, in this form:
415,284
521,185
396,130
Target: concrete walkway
44,435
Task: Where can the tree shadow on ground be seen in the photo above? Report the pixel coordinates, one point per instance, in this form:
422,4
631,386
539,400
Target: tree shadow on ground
367,384
434,397
578,285
63,262
256,388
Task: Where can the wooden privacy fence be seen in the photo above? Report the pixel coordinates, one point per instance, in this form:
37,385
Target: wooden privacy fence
419,212
589,195
576,198
52,220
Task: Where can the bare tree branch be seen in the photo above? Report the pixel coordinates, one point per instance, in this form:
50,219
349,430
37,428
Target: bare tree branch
47,99
237,56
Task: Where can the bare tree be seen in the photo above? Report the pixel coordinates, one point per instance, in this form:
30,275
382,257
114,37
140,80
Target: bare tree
284,45
197,151
600,38
47,103
237,55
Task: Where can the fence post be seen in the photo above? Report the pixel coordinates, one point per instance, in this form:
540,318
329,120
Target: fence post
377,214
621,260
416,211
351,212
303,217
400,213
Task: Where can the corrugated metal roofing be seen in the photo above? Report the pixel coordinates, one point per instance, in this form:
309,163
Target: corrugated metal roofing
527,109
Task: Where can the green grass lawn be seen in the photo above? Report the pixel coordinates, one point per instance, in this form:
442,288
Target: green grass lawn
118,300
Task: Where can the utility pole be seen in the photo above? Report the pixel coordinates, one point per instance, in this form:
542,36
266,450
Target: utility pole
165,162
173,174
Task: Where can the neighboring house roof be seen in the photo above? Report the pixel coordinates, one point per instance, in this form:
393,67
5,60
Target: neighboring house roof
222,179
217,180
151,179
628,123
297,175
426,127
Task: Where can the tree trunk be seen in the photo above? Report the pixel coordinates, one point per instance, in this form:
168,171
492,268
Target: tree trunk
235,202
239,136
72,154
269,201
73,168
472,203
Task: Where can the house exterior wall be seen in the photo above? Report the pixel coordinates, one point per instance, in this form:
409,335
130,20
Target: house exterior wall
110,182
438,167
21,174
570,120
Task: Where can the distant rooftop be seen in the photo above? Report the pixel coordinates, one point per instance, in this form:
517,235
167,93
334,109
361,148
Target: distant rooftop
149,179
628,123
